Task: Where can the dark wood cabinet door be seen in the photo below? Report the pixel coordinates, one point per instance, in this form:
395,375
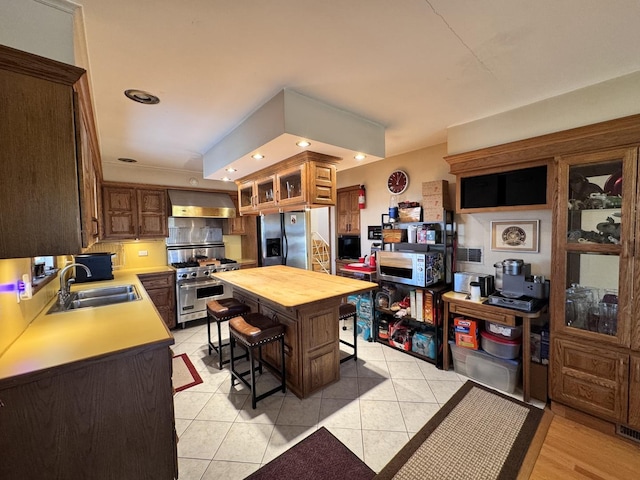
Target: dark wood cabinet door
161,289
119,205
40,212
593,380
152,213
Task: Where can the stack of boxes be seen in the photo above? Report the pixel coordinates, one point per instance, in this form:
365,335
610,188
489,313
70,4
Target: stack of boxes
435,199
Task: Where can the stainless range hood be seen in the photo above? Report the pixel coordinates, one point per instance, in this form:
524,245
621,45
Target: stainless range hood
201,204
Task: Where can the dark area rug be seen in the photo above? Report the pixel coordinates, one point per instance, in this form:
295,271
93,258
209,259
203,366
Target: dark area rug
320,456
478,434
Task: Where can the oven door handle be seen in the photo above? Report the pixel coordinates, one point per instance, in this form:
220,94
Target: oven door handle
190,286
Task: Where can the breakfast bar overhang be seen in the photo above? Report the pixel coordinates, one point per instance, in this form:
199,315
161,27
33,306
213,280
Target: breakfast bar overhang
307,303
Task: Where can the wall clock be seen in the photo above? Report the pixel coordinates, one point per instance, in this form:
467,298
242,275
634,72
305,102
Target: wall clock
398,182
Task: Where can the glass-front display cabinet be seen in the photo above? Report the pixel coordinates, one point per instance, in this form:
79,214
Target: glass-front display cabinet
594,244
595,332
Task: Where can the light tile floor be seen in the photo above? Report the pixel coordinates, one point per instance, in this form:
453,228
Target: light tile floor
380,402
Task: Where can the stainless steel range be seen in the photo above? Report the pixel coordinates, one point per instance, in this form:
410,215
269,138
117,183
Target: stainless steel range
195,249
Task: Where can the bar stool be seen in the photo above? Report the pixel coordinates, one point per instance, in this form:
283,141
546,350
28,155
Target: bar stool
222,311
254,330
347,311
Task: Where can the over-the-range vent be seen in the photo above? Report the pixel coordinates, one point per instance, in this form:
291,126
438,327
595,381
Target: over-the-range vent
629,433
469,254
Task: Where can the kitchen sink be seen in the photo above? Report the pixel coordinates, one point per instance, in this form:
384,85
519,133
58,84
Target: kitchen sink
97,297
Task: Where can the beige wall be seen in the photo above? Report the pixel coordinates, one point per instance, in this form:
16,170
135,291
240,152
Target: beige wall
421,165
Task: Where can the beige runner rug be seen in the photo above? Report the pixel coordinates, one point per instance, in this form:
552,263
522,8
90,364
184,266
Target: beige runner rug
184,373
478,434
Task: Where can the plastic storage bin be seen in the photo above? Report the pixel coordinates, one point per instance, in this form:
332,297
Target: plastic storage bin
485,368
503,330
500,346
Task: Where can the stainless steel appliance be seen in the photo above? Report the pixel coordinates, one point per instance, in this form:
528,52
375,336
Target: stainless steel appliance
196,250
411,268
462,280
284,239
520,290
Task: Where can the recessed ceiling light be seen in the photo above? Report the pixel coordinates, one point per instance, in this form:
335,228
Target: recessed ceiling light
230,169
303,143
225,179
193,181
257,156
128,160
141,96
360,156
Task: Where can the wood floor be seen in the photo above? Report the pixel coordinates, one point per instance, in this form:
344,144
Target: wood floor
574,451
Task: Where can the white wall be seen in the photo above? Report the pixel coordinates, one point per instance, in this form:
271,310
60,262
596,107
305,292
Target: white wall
608,100
44,29
132,173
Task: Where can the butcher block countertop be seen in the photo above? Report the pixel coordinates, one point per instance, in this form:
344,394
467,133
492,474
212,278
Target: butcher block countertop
293,287
64,338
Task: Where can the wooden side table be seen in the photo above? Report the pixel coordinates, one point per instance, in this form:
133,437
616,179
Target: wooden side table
459,304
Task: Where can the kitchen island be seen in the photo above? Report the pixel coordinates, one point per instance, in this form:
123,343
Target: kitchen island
307,303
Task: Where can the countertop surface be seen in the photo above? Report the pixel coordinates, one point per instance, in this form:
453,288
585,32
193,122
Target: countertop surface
63,338
292,287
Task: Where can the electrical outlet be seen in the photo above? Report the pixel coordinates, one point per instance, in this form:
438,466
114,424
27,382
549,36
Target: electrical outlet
143,253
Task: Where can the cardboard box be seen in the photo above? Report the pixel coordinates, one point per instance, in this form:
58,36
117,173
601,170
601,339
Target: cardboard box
433,214
432,202
435,195
436,187
466,341
466,333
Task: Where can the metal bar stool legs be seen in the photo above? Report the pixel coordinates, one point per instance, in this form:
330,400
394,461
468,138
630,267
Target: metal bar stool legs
347,311
253,331
222,311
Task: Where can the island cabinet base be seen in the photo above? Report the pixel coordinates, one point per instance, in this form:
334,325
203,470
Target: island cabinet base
312,348
106,418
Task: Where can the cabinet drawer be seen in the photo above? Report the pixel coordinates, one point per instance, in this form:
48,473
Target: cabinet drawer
503,318
157,280
591,379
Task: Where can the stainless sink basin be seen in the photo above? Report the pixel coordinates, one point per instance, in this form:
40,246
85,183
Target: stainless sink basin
97,297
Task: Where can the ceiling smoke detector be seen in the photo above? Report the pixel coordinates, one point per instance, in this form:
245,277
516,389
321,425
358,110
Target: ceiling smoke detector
141,96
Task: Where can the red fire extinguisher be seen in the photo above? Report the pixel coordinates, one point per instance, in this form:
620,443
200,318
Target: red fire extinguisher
361,197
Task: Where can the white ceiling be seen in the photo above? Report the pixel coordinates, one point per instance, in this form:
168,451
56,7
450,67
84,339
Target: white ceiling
414,66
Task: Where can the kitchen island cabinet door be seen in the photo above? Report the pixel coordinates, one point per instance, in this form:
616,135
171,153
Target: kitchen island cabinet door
100,419
40,201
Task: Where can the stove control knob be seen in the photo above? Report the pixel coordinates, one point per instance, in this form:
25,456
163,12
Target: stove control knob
184,275
194,274
206,273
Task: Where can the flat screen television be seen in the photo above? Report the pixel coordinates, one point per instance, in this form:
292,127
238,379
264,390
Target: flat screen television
349,246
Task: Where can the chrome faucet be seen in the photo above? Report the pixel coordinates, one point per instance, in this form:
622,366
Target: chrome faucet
65,288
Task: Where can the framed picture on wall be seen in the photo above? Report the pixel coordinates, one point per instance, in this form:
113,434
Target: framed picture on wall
515,236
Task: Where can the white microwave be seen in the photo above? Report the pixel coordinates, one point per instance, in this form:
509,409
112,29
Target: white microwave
411,268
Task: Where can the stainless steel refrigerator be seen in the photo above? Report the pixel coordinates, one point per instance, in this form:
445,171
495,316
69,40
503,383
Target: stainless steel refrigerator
284,239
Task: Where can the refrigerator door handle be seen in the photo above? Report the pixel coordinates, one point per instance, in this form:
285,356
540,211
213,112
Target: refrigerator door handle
286,245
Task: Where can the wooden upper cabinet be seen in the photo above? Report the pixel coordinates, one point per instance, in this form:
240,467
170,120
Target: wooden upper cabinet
131,212
348,211
304,180
152,212
90,171
40,199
